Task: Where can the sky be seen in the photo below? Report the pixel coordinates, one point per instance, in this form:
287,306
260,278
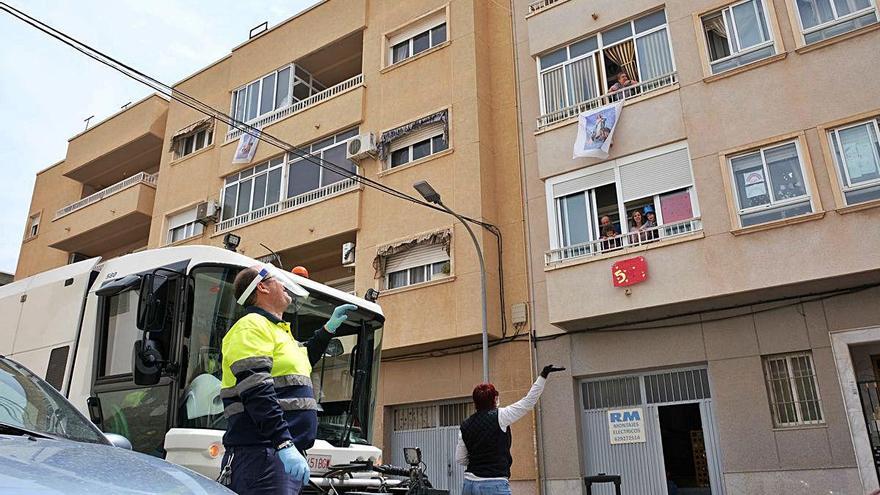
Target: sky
47,89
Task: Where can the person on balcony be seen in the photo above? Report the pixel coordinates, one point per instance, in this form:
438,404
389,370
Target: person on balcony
484,440
650,223
609,234
623,81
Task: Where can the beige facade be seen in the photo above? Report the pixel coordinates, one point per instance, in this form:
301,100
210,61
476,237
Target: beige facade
743,299
345,57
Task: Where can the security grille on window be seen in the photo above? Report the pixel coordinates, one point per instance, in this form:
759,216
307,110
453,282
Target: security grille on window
737,35
416,265
421,35
857,155
33,226
770,184
252,188
823,19
418,144
794,394
273,91
183,226
587,68
305,176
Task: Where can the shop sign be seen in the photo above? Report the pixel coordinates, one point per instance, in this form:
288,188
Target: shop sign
626,425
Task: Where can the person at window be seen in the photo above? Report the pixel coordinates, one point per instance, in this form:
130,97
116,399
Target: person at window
267,391
609,233
650,228
623,81
637,227
484,438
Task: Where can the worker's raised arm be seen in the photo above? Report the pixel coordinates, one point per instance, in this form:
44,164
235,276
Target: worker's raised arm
511,414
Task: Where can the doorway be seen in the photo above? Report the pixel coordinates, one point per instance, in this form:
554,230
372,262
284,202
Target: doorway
684,450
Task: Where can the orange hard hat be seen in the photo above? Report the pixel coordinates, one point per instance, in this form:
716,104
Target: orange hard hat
301,271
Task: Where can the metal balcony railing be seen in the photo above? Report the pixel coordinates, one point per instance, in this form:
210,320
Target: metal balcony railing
141,178
540,4
629,239
622,94
300,105
288,204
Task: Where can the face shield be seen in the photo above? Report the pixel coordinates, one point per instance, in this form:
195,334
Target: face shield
296,291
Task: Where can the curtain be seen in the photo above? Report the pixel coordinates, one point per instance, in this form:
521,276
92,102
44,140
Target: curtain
553,83
581,80
654,57
624,56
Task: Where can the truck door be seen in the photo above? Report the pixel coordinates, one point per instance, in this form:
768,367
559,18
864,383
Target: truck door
139,413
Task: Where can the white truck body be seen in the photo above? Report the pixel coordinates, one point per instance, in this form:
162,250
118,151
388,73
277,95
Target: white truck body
51,323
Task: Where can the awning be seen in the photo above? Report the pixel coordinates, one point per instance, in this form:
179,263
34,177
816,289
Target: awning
388,136
205,123
442,237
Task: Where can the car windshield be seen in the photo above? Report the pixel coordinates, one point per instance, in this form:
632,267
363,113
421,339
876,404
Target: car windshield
214,311
28,402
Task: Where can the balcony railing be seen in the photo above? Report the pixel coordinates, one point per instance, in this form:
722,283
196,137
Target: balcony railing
611,244
141,178
293,203
540,4
622,94
300,105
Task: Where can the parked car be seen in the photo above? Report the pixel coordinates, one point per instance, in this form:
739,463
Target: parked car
47,446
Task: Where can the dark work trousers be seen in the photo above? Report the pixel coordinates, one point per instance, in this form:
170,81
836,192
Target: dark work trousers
259,471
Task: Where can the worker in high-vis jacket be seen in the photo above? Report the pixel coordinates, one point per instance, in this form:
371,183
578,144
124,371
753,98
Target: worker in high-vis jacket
266,388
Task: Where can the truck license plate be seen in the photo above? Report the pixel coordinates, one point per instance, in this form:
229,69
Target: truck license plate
318,462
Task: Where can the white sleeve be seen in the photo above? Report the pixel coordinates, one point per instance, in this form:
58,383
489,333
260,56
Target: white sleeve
461,453
510,414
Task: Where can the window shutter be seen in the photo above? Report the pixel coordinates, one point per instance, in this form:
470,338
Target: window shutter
655,175
417,256
584,183
182,218
346,286
417,135
418,27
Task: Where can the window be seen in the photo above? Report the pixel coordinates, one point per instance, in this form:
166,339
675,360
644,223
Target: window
121,333
587,68
421,35
416,265
628,201
183,226
277,90
737,35
424,142
305,176
192,142
770,185
252,188
823,19
33,227
856,151
794,394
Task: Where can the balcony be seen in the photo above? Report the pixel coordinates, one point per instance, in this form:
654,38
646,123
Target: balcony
541,4
620,243
624,94
110,219
122,145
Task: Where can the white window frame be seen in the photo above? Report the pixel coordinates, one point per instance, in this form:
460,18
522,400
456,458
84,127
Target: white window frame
33,226
554,214
253,175
180,142
846,183
410,42
600,65
776,402
293,80
413,29
837,19
729,20
317,153
773,204
426,267
409,148
427,270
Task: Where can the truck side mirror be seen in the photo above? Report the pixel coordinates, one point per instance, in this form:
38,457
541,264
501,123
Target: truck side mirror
147,362
146,309
334,348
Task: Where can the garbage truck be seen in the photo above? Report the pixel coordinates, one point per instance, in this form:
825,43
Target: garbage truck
135,342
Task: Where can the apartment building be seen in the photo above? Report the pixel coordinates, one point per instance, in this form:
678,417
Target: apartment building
433,83
711,285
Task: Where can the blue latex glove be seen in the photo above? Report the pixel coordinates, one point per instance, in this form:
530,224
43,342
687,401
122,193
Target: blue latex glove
295,464
339,315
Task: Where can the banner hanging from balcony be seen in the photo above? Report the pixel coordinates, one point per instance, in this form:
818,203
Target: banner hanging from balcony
247,146
595,131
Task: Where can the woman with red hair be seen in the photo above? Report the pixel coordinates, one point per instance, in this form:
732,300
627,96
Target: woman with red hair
484,440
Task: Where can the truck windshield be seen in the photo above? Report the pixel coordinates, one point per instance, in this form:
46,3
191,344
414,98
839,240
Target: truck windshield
214,310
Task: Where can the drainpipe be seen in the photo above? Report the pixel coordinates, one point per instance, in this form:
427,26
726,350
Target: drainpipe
540,466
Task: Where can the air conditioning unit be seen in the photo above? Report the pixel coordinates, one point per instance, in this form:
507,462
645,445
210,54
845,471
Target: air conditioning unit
207,212
348,254
362,146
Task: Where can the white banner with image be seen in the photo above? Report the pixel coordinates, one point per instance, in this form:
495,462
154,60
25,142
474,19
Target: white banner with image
247,146
595,131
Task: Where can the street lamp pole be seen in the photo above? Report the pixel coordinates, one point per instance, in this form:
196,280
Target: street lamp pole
433,196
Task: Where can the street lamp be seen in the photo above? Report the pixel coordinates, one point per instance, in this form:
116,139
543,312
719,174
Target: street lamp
433,196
